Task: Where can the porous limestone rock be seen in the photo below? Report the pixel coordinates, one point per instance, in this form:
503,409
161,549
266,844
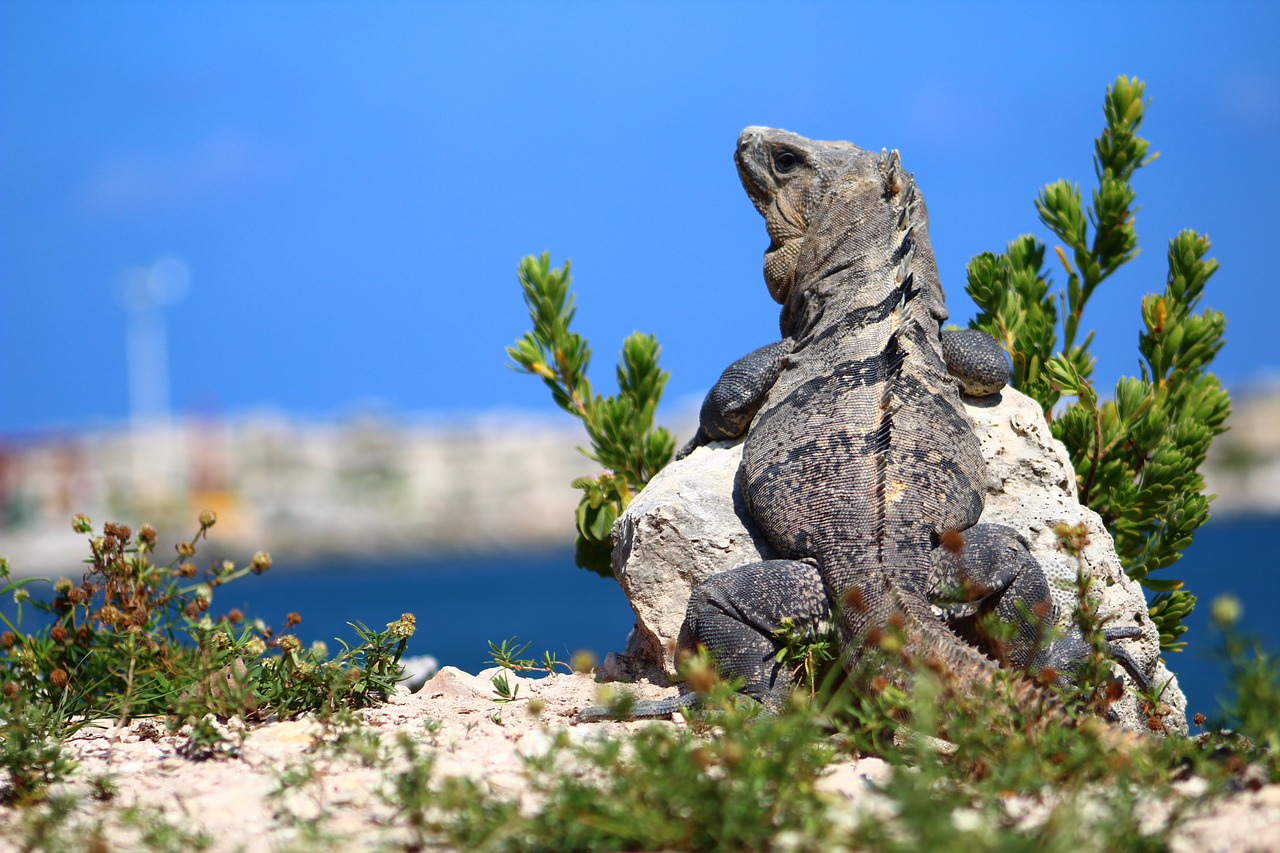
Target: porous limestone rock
689,522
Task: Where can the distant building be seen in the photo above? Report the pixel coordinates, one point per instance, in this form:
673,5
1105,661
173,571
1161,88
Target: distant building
365,485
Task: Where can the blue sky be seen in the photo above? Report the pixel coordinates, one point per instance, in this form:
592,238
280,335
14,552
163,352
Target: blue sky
352,185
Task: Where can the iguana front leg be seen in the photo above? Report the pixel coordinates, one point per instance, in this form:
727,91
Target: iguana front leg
737,395
973,357
976,360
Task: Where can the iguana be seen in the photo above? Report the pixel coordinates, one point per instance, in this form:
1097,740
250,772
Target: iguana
860,465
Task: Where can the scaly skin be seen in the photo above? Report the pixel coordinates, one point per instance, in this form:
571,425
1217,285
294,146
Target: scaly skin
860,465
864,420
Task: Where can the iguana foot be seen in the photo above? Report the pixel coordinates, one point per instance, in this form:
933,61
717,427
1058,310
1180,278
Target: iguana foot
1066,654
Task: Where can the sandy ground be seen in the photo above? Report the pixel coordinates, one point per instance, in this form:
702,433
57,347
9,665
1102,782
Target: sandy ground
243,802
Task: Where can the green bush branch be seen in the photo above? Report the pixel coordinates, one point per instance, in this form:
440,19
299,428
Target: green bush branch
1137,455
620,428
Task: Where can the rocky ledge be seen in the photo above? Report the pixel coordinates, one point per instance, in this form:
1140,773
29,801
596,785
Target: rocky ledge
248,800
689,523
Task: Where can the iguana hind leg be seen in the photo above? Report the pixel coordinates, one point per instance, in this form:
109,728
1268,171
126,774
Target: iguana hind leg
737,616
989,570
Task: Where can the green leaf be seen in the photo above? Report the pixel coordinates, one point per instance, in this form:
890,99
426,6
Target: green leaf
1161,585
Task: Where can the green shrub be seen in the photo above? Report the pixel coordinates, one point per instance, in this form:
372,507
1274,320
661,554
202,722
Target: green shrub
137,638
1137,455
620,427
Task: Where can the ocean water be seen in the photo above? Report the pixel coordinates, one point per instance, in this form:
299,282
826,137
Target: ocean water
1240,557
461,603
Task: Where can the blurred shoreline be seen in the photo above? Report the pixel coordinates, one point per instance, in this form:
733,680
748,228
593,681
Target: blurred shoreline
373,486
364,486
1243,466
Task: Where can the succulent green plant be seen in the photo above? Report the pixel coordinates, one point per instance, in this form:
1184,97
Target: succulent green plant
1137,456
620,427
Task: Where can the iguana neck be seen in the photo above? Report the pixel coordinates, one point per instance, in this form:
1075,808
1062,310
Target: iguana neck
863,265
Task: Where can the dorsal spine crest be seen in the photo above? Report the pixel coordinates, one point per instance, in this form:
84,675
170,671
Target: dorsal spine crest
904,265
893,173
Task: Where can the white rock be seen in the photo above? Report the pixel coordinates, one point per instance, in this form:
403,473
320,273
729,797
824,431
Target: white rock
689,523
418,670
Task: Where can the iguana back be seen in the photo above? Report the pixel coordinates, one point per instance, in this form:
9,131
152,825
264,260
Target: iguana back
861,456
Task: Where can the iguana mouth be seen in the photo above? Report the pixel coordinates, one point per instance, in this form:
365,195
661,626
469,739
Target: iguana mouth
755,176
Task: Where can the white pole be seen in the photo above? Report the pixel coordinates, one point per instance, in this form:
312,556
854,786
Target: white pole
146,291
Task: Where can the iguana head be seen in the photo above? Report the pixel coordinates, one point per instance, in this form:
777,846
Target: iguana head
835,214
788,178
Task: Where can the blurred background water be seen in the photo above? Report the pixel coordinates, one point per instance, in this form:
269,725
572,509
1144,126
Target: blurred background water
462,603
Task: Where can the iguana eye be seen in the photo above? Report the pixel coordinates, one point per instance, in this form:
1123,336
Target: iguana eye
785,161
